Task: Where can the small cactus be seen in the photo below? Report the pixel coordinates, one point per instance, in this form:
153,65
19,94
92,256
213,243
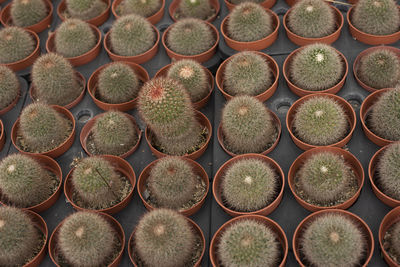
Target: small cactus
25,13
15,44
249,22
316,67
164,238
85,9
199,9
377,17
190,37
248,243
389,171
249,185
247,73
9,87
395,238
86,239
144,8
333,240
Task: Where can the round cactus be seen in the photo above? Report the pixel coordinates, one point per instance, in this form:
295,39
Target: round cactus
377,17
74,37
15,44
247,73
85,9
316,67
192,76
25,13
389,171
248,243
190,37
86,239
145,8
200,9
9,87
395,238
249,22
333,240
164,238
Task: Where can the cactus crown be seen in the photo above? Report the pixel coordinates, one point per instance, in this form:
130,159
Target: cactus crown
85,9
145,8
25,13
200,9
389,171
9,87
15,44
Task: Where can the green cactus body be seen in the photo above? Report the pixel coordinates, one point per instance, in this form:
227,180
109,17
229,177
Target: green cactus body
237,2
190,37
145,8
395,238
333,240
248,243
389,171
9,87
164,238
200,9
192,76
85,9
249,22
247,73
25,13
15,44
377,17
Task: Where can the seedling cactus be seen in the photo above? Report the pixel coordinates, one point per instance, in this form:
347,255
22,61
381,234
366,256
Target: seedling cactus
85,9
200,9
15,44
144,8
9,87
25,13
389,171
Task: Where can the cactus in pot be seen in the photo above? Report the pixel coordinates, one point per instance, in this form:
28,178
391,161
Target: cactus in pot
237,2
388,170
85,9
200,9
144,8
15,44
393,239
25,13
9,87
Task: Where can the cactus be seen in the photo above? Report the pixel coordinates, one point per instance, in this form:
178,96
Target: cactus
145,8
55,80
85,9
74,37
249,22
200,9
192,76
247,73
395,238
389,171
190,37
164,238
249,185
333,240
248,243
316,67
377,17
132,35
86,239
237,2
9,87
247,125
25,13
15,44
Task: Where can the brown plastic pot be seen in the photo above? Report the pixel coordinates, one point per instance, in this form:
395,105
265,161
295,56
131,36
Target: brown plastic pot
280,235
350,159
96,21
267,4
348,110
219,176
197,168
53,242
42,25
175,5
2,135
357,220
13,103
277,121
121,166
303,92
154,19
203,120
219,77
55,152
390,219
201,103
291,2
42,226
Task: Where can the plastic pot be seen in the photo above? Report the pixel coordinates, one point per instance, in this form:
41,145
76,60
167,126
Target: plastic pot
154,19
175,5
391,218
96,21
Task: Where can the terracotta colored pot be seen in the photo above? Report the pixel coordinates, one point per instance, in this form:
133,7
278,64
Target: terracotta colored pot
175,4
196,228
255,45
280,235
267,4
42,25
364,53
121,166
42,226
277,121
348,110
154,19
357,220
219,77
291,2
138,59
203,120
370,38
201,103
197,168
53,242
350,159
13,103
303,92
82,59
391,218
219,176
96,21
55,152
2,135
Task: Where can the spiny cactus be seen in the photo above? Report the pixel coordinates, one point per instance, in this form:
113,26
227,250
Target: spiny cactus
9,87
247,73
55,80
249,22
200,9
190,37
316,67
15,44
377,17
192,76
237,2
132,35
395,238
248,243
389,171
247,125
85,9
333,240
86,239
74,37
145,8
320,121
164,238
25,13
